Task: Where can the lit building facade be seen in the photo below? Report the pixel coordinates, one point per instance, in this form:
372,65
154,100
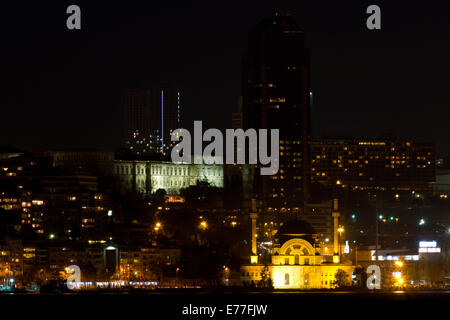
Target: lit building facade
373,164
140,176
145,177
296,261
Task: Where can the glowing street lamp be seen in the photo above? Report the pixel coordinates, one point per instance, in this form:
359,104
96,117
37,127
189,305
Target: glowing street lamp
203,225
398,263
157,226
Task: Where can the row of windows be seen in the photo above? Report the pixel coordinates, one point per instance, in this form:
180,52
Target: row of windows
170,171
253,274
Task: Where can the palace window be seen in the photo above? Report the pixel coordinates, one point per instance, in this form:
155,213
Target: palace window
286,279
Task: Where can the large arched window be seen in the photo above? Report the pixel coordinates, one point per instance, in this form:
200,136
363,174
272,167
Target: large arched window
286,279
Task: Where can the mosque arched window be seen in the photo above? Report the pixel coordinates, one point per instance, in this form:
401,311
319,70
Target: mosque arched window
286,279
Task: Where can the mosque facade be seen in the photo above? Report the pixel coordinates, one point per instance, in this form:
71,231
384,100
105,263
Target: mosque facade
296,259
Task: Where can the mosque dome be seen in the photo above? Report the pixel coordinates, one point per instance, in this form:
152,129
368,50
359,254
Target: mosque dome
295,229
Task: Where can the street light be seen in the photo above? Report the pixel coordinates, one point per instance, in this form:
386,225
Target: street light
157,226
203,225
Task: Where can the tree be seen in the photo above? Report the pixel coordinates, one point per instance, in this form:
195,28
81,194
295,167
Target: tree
266,281
160,196
361,277
341,278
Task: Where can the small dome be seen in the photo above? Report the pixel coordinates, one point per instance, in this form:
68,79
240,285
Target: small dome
295,228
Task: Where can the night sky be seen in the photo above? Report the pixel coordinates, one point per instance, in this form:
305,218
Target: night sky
64,89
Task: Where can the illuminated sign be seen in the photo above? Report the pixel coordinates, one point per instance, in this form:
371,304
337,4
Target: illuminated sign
347,247
427,244
429,250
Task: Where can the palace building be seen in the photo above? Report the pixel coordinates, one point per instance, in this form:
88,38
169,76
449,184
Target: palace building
145,177
141,176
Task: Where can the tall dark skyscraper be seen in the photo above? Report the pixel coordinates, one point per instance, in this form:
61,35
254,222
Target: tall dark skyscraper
136,119
165,114
277,95
150,115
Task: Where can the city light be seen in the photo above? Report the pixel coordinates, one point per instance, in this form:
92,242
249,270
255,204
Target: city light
203,225
286,227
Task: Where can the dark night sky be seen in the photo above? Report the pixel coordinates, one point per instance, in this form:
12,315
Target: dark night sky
64,88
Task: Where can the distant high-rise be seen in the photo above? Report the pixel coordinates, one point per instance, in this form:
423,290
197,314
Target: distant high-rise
137,121
236,117
277,95
150,115
165,114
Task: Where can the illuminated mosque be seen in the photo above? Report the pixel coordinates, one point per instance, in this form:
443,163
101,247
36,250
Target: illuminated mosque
296,261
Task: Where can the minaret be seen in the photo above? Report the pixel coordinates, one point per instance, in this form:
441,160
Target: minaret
335,228
254,216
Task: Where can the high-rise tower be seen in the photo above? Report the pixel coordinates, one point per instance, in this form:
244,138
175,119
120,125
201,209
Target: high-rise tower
165,114
277,95
150,116
137,121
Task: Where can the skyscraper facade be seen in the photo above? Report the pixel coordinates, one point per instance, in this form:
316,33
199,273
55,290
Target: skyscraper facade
276,95
165,114
150,116
137,132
